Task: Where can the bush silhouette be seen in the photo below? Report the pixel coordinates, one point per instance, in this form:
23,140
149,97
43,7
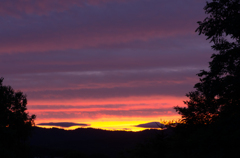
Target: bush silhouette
15,123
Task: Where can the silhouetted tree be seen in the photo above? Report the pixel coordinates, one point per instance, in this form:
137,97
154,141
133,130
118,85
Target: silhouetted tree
15,123
218,92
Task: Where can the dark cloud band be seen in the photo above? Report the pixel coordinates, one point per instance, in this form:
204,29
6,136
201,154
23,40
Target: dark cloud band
63,124
151,125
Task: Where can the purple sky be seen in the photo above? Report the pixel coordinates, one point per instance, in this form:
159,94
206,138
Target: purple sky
84,61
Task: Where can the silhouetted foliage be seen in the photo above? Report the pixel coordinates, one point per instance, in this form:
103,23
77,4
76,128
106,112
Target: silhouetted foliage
218,92
223,22
15,123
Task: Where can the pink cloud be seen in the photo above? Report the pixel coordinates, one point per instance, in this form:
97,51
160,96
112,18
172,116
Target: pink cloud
91,27
82,39
106,113
43,7
95,109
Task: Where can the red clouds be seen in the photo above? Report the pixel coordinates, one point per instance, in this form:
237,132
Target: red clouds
91,26
43,7
96,60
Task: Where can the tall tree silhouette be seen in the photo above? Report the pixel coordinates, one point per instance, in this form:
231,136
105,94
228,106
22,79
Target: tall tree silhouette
15,123
218,92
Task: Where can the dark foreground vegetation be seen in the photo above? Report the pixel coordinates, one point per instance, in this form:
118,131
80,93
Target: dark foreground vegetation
209,128
87,142
220,139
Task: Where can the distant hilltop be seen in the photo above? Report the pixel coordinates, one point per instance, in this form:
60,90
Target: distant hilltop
87,140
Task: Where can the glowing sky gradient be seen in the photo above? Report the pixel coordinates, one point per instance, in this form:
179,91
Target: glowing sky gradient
112,64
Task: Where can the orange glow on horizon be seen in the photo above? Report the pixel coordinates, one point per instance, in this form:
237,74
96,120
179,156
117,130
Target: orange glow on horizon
92,112
125,124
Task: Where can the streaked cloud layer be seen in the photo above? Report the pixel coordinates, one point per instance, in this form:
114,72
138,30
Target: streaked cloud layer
98,60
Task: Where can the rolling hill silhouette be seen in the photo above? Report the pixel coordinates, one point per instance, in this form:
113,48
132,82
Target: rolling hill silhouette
59,142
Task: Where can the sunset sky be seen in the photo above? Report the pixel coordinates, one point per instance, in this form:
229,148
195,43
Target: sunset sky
111,64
